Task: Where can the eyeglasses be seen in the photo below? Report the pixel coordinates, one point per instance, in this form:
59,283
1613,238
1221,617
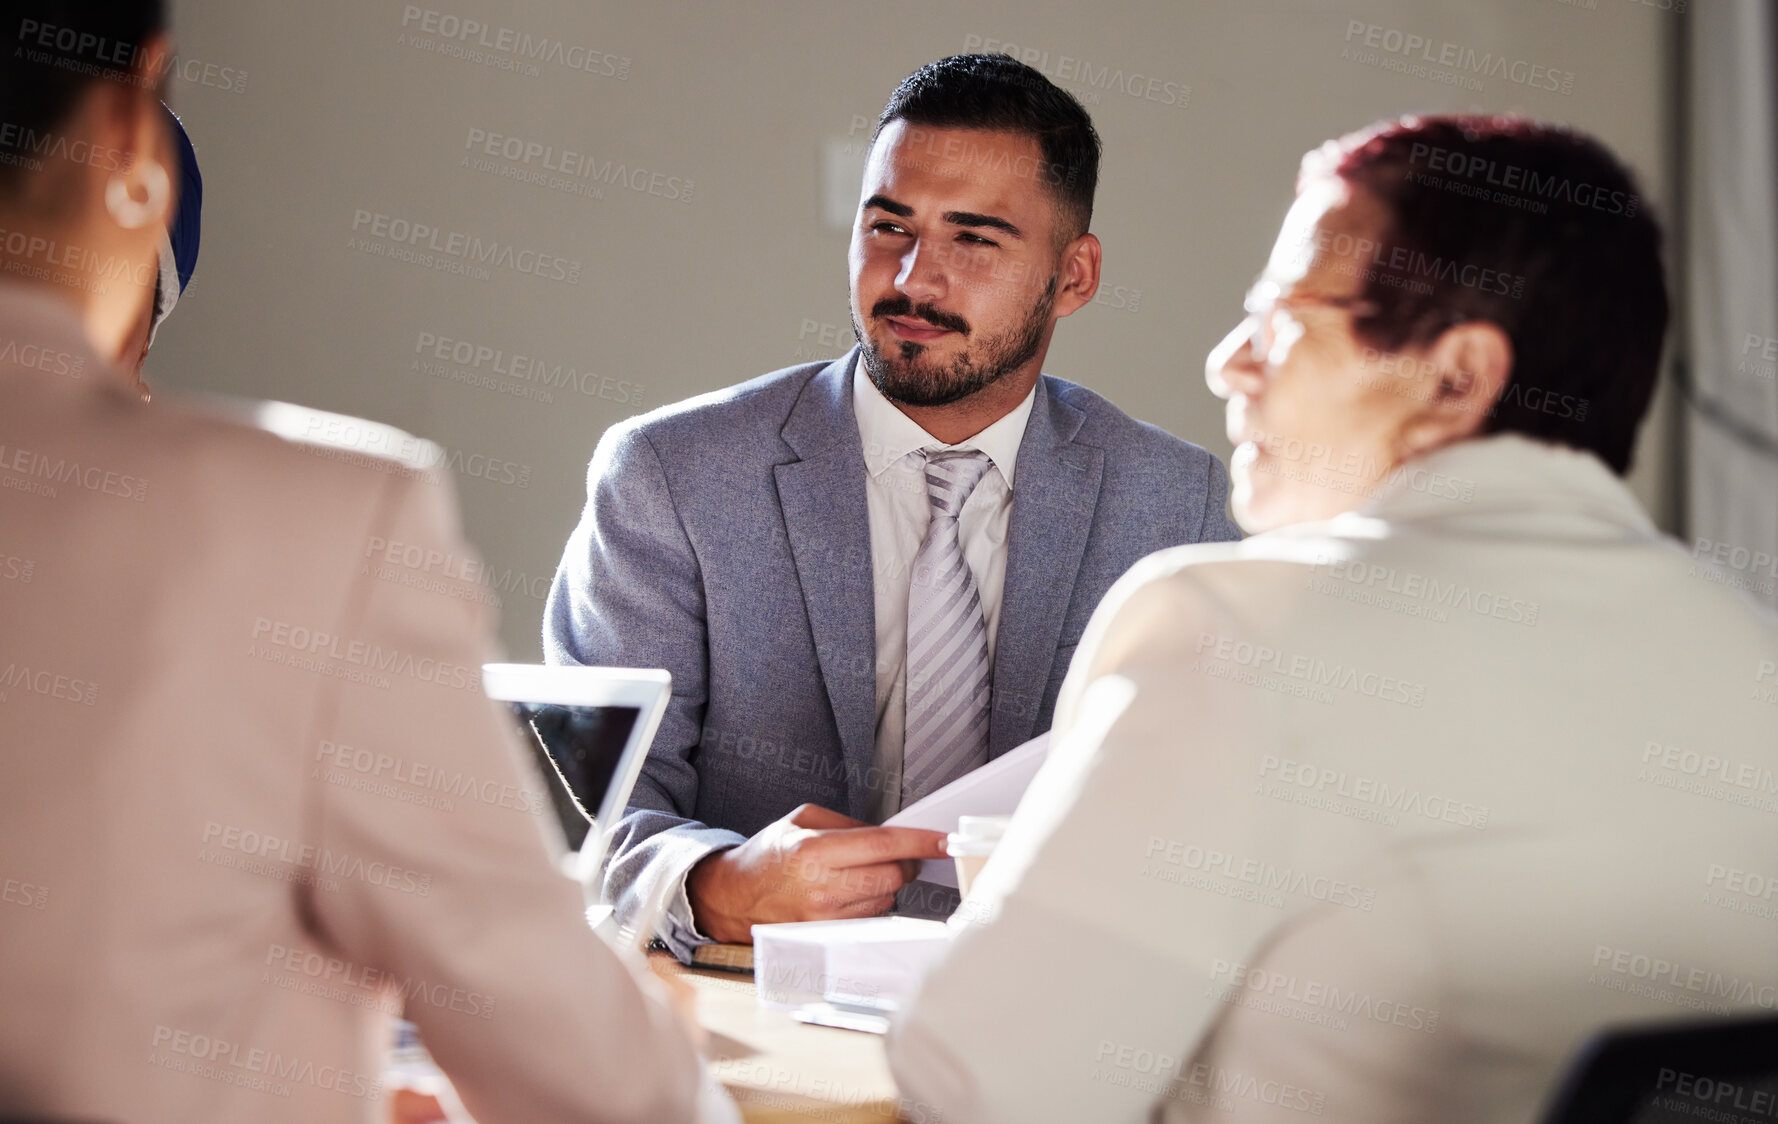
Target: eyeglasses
1267,298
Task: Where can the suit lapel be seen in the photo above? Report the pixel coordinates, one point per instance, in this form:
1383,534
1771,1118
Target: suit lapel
1055,491
827,521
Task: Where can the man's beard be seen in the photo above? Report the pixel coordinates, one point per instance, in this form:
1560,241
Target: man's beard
904,378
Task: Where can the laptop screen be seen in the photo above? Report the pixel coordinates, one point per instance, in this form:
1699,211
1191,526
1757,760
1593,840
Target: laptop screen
589,729
581,748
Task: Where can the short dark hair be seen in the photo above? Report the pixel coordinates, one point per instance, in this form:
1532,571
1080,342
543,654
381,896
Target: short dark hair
1002,94
55,49
1536,228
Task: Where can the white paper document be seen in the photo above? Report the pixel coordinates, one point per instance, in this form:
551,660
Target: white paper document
853,973
992,790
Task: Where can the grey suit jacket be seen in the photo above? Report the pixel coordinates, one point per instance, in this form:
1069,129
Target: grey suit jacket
726,539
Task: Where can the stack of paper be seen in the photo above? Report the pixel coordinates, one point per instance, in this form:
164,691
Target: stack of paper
871,965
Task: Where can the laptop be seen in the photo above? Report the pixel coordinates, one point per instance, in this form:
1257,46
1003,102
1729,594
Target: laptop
589,729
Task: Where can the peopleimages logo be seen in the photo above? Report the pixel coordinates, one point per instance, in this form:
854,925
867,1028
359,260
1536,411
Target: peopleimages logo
116,53
263,853
1752,883
1311,669
1345,575
565,169
1072,70
1689,985
1448,60
1353,472
417,782
25,354
1713,1097
361,654
1160,1074
1710,766
464,577
452,251
25,895
474,361
384,448
1400,798
1309,992
91,266
49,684
1163,857
249,1067
1402,263
503,48
1515,178
331,977
14,568
1759,356
1765,681
37,145
1735,566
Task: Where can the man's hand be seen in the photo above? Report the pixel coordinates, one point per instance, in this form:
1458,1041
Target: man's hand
812,865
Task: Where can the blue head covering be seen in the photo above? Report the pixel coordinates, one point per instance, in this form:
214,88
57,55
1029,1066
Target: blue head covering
179,245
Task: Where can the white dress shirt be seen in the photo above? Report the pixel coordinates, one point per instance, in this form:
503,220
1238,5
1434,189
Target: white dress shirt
1375,819
900,511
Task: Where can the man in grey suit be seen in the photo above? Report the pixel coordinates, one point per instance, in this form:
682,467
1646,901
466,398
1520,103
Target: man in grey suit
856,603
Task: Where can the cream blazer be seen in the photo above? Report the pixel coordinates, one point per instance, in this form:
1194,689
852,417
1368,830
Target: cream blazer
1376,819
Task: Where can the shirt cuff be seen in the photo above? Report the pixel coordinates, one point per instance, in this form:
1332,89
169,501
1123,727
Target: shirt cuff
678,928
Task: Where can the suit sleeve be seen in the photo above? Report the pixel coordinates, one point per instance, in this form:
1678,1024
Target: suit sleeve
1081,895
457,897
629,593
1216,525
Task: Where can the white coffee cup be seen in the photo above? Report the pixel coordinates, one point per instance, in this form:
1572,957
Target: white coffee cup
972,843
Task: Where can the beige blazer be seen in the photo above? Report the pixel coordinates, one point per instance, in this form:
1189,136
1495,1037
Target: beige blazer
252,799
1376,819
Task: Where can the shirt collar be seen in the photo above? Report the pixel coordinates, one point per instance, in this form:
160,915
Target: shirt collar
1505,476
889,435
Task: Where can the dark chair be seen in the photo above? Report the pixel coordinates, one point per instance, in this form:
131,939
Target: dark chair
1673,1073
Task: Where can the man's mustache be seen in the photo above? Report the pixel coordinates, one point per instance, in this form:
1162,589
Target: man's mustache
937,317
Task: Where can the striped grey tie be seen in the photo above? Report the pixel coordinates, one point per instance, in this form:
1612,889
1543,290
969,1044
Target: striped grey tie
947,666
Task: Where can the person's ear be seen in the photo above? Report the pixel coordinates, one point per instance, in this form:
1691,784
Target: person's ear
1077,277
1466,371
141,192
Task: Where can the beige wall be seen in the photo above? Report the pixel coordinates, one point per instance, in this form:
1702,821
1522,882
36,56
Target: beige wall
313,118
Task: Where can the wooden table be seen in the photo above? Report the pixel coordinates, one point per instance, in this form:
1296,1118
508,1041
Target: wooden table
780,1070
